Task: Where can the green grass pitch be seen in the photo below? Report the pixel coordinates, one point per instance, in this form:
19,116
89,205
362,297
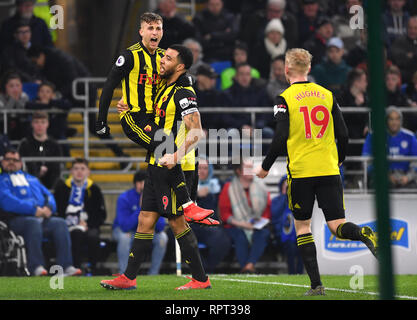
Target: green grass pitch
224,287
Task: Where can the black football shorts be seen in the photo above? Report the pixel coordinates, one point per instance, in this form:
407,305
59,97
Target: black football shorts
158,195
328,191
139,128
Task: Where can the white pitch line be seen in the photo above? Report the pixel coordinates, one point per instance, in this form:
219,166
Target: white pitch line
305,286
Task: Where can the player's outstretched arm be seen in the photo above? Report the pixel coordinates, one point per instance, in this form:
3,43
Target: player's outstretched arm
279,142
119,70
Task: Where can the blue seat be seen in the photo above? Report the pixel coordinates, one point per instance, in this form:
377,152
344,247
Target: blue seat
218,67
31,89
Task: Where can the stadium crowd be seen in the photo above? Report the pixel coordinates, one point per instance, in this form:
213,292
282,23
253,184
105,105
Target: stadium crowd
239,49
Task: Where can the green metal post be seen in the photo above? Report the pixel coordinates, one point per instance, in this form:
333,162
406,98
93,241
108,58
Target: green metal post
378,106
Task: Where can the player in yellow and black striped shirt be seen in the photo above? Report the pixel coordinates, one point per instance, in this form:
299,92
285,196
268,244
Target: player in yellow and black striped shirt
177,114
309,121
137,68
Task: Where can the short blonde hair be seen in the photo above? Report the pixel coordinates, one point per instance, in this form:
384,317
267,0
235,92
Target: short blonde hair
298,61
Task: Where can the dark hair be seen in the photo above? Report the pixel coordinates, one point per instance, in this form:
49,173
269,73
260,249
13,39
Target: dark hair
79,160
10,75
35,51
40,115
354,75
149,17
280,57
47,84
11,150
20,24
139,176
241,46
243,64
185,56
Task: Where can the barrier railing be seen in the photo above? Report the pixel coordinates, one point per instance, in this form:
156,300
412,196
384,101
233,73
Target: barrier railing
253,111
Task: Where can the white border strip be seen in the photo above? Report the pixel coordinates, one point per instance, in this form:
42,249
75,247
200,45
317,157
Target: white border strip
305,286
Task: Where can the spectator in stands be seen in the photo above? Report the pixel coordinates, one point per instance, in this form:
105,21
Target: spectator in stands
215,240
282,222
125,224
277,82
176,27
13,97
411,93
245,92
208,96
70,68
14,56
400,142
252,28
355,95
40,32
198,55
395,97
317,43
272,45
46,100
81,203
395,20
342,25
31,209
4,144
39,144
358,55
242,202
216,30
240,55
332,72
404,51
308,20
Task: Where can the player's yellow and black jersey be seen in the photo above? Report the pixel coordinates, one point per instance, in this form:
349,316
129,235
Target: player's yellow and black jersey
309,122
138,71
172,103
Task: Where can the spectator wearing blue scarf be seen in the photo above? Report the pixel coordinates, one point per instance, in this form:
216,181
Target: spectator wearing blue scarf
31,209
126,222
81,203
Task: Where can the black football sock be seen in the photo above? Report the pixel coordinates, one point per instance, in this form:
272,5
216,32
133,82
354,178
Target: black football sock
305,244
176,180
349,230
141,249
189,250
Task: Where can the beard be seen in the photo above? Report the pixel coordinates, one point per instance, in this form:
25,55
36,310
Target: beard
167,74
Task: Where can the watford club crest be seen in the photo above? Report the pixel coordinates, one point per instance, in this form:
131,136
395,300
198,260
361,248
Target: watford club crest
148,128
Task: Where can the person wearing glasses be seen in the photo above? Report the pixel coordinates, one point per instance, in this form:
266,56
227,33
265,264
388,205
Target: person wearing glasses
30,211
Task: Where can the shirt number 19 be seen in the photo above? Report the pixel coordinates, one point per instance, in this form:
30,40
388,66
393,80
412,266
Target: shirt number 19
322,123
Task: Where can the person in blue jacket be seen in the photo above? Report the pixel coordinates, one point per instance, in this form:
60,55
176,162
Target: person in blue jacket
400,142
31,212
126,222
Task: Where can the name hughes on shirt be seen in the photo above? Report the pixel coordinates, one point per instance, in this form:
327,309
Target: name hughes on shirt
310,93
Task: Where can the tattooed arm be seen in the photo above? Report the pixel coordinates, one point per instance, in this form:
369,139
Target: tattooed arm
192,123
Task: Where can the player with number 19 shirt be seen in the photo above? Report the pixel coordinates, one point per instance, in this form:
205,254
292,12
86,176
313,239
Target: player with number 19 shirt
314,118
309,122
